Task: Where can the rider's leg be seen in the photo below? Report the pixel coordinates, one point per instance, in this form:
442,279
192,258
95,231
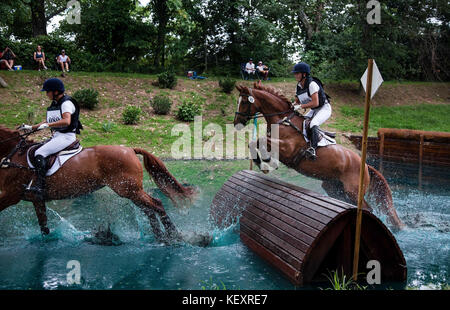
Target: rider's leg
58,143
320,116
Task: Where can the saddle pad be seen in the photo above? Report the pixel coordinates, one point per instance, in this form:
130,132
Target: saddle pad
324,140
61,158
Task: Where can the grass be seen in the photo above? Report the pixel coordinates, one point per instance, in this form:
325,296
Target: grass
22,102
340,282
430,117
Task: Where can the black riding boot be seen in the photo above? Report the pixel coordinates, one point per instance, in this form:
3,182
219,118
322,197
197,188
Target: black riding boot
315,136
41,170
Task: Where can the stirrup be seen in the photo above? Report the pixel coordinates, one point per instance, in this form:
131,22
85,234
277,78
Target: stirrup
311,153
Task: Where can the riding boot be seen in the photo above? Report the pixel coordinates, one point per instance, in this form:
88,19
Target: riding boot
315,136
41,170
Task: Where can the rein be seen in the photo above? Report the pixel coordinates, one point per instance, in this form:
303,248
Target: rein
6,161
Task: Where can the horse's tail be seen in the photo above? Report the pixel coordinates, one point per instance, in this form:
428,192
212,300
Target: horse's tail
165,180
379,188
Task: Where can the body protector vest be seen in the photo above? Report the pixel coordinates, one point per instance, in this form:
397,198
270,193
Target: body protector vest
304,96
54,114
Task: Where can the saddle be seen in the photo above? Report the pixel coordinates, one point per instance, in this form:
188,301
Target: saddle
52,158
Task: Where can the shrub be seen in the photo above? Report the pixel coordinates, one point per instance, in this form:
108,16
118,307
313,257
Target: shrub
86,98
190,107
108,126
131,115
167,80
227,85
161,104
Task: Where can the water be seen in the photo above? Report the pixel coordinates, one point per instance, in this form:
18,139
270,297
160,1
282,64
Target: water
29,261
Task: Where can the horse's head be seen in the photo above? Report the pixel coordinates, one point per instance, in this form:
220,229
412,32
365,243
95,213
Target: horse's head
248,105
8,140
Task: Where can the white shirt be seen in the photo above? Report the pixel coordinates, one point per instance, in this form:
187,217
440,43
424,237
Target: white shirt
63,58
260,68
313,87
250,67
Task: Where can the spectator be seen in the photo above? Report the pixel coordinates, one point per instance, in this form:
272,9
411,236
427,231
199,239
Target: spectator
250,69
39,57
63,61
8,58
263,70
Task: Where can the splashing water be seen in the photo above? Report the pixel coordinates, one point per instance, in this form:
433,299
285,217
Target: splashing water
30,261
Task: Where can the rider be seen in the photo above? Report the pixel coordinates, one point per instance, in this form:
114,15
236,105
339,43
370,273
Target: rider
63,119
310,94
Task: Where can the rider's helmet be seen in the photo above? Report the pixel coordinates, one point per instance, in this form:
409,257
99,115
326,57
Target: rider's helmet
53,84
302,67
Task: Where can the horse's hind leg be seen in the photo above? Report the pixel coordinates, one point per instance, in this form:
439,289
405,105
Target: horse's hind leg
336,189
147,204
41,213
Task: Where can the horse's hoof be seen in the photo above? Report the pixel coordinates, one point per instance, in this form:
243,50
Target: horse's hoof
45,231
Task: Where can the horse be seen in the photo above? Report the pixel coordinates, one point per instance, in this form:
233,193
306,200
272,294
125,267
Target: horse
336,166
117,167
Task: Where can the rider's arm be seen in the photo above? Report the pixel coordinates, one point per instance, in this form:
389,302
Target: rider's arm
314,103
64,122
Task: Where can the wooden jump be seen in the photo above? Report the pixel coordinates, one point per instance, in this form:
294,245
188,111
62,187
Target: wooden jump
409,146
301,233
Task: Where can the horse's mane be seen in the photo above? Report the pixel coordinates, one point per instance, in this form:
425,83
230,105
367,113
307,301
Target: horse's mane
5,132
272,91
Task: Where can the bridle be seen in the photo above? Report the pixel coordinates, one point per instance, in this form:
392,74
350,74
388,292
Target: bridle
249,102
6,161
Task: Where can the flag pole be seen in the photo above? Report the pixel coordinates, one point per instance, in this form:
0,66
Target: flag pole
255,125
362,169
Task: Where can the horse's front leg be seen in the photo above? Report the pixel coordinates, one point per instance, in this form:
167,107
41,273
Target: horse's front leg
41,213
269,149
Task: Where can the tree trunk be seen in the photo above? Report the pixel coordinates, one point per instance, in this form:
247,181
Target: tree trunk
38,20
162,14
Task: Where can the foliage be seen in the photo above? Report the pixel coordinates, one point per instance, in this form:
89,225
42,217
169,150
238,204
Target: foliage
131,115
167,80
227,85
87,98
161,104
190,107
108,126
340,282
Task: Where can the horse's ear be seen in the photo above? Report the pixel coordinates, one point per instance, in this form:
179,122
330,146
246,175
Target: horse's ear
259,84
239,87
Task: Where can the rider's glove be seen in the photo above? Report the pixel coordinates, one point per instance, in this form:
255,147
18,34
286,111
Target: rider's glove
43,126
26,127
297,106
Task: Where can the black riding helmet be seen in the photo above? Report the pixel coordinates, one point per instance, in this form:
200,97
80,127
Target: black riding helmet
53,84
302,67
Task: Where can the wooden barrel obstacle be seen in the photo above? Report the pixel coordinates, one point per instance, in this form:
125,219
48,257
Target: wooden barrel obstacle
301,233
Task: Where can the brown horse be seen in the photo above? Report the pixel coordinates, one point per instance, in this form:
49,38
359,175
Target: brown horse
95,167
337,166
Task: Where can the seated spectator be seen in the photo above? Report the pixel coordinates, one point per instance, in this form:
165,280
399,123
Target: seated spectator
250,70
39,57
8,58
263,70
63,61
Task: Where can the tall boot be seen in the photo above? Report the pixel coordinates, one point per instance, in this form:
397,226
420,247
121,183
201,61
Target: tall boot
315,136
41,170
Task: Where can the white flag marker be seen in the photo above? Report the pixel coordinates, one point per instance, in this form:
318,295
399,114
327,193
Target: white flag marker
377,79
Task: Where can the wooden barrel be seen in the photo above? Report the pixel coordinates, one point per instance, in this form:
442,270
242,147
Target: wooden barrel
303,234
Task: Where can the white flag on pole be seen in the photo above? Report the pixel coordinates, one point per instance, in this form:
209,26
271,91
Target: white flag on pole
377,79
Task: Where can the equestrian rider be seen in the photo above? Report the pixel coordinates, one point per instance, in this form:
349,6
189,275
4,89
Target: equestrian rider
310,94
63,120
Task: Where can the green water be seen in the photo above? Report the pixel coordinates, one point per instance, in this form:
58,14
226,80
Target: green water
28,261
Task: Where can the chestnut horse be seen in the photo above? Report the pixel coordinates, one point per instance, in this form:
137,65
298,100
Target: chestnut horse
337,166
93,168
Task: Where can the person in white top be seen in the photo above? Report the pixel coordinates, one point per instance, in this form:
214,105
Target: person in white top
310,94
250,69
63,61
263,70
63,119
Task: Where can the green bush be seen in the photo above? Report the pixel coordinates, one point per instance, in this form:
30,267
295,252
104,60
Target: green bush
227,85
86,98
161,104
190,107
167,80
131,115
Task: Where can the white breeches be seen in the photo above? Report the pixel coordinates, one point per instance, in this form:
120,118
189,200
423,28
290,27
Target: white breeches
58,143
319,116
